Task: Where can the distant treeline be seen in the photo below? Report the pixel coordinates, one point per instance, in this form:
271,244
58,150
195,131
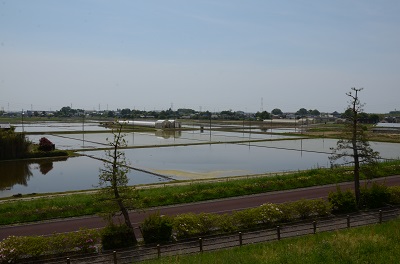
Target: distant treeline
363,117
187,113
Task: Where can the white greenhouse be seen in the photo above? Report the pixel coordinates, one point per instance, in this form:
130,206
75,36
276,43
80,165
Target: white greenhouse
159,124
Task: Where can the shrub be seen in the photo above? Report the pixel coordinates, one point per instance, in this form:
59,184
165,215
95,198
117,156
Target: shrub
44,154
304,209
208,223
83,241
321,207
46,145
246,219
14,248
394,195
192,225
117,236
342,202
185,225
269,214
226,223
10,250
376,196
289,212
156,229
35,245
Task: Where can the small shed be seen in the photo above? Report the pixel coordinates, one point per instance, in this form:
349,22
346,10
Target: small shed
161,124
5,126
174,124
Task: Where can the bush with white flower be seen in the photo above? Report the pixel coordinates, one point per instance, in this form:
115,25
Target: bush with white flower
14,248
270,214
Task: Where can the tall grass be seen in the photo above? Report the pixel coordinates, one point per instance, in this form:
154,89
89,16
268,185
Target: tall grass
370,244
13,145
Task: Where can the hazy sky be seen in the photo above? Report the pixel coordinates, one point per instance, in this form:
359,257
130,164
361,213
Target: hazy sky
210,54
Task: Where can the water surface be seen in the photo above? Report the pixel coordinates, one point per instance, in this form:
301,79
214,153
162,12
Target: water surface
237,157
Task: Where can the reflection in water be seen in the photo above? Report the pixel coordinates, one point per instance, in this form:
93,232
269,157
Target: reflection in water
14,172
19,172
45,166
168,134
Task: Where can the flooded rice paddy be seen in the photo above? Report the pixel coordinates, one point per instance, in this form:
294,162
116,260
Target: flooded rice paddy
161,156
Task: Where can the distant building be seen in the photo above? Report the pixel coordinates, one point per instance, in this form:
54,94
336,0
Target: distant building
174,124
5,127
389,128
336,114
159,124
290,116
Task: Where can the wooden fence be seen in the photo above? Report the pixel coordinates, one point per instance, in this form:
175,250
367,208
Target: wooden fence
210,243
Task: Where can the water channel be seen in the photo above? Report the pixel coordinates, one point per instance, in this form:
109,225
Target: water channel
241,153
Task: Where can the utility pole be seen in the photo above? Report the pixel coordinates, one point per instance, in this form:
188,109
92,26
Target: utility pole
210,125
22,116
83,128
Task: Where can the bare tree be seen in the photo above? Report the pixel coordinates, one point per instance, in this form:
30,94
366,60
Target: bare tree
114,194
353,148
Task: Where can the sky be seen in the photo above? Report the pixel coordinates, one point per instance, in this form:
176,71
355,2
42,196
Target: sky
210,55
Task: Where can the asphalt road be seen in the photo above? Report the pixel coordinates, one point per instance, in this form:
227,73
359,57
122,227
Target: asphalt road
214,206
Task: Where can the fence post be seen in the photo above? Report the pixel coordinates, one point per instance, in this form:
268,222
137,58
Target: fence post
278,232
314,226
115,256
201,244
348,221
240,239
158,250
380,216
68,261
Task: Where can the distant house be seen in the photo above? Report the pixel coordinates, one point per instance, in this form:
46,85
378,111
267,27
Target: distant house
336,114
290,116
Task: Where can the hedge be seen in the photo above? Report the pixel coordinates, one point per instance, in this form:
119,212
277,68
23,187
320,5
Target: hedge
14,248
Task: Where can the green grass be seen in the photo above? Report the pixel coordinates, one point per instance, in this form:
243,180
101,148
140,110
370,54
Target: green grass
47,208
85,204
207,191
370,244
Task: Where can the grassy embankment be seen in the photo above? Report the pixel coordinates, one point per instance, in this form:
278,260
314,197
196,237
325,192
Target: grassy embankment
320,130
378,243
70,205
335,131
